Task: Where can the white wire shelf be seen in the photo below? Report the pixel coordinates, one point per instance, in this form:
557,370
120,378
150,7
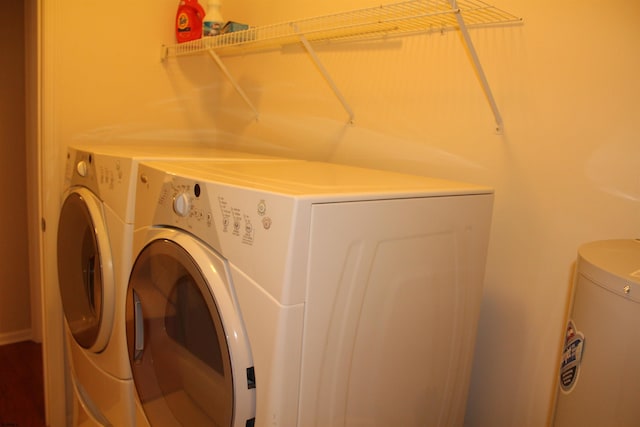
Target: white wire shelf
412,16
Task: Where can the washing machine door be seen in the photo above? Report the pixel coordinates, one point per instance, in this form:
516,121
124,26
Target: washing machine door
85,269
189,353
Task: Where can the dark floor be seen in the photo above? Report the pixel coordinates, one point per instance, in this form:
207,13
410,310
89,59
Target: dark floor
21,385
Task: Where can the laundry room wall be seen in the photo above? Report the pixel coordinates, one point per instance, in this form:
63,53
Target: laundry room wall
564,169
15,313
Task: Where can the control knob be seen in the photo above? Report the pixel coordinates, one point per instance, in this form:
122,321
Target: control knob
82,168
182,204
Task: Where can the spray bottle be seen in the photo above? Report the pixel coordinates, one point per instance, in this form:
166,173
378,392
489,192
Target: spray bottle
189,21
213,22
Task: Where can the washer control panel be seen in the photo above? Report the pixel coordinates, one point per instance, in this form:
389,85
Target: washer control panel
109,177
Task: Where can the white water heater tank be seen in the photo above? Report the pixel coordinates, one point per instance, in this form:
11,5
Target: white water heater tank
600,368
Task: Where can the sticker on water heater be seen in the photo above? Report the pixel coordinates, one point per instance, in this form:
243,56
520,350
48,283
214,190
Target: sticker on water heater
571,357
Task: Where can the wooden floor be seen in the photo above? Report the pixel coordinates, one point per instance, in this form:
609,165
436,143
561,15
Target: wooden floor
21,385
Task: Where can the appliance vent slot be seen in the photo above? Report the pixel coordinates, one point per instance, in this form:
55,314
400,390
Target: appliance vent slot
251,378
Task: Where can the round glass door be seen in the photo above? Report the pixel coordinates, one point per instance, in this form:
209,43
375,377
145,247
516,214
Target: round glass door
188,363
85,274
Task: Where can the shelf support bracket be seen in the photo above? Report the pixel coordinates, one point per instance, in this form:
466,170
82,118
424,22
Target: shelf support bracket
312,53
235,84
478,67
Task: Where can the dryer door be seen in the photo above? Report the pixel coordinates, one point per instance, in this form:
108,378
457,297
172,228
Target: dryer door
189,354
85,269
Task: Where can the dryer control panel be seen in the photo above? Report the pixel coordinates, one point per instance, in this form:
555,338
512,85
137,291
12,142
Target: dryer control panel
250,228
207,208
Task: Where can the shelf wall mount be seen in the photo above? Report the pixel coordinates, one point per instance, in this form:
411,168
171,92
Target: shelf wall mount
478,67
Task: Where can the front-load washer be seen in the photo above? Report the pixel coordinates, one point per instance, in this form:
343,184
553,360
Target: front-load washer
303,294
94,261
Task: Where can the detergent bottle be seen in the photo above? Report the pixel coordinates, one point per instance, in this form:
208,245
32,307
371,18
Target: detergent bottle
189,21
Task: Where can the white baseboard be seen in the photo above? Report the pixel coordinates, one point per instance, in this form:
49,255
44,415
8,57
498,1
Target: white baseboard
15,336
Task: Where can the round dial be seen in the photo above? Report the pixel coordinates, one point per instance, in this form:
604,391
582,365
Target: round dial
82,168
182,204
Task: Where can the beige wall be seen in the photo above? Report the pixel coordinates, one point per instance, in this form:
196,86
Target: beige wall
565,169
15,314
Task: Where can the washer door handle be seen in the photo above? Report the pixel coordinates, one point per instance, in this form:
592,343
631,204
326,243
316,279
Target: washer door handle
138,328
90,283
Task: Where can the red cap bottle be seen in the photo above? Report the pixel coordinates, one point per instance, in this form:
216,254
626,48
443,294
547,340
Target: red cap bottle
189,21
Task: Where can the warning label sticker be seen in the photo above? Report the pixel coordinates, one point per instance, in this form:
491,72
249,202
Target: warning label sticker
571,357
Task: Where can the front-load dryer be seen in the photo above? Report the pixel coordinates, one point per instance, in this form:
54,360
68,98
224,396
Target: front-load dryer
303,294
94,260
